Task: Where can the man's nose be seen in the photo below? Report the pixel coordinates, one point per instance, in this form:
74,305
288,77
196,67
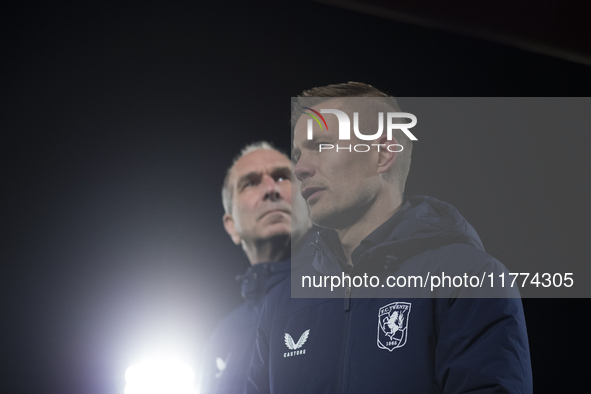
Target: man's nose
304,168
271,188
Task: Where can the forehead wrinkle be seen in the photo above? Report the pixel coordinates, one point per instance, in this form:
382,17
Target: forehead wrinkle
248,161
258,173
249,175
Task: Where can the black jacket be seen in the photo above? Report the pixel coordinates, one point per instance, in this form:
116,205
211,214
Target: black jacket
396,343
226,357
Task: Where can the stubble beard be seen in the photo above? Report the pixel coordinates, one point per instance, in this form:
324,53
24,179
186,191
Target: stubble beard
342,214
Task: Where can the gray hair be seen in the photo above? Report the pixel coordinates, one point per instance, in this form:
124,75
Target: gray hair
315,96
227,190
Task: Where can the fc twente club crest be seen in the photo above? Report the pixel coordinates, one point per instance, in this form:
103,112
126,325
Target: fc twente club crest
393,325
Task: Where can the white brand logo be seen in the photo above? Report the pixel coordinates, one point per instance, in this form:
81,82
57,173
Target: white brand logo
221,365
393,325
291,345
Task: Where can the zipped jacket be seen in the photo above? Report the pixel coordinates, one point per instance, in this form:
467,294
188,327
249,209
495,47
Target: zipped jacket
227,355
226,358
344,342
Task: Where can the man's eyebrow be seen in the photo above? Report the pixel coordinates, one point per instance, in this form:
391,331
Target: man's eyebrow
280,169
248,177
257,174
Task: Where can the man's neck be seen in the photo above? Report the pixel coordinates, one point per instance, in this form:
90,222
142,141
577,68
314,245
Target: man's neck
380,211
268,251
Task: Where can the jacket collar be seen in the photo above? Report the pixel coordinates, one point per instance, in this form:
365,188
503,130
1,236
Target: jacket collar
259,279
422,222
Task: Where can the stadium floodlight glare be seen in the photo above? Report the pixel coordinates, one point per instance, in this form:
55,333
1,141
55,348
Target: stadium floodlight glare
159,376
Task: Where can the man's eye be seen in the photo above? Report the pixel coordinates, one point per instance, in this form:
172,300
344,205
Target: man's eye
283,178
248,184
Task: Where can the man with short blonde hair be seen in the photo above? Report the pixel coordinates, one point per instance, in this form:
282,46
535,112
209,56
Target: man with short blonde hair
382,335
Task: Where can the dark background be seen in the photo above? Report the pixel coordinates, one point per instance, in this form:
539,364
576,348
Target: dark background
119,122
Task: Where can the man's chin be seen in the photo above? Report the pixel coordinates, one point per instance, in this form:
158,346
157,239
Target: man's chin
319,214
321,220
327,218
280,229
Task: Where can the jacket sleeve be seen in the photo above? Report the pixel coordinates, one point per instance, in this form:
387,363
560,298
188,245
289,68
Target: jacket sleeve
483,348
258,380
207,381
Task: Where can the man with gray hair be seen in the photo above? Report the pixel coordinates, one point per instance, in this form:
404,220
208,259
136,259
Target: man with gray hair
260,217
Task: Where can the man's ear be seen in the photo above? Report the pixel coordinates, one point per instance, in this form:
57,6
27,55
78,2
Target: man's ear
386,158
230,227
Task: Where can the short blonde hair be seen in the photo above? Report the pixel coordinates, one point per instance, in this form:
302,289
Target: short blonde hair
315,96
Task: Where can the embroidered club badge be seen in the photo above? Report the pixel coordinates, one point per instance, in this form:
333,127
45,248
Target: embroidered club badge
393,325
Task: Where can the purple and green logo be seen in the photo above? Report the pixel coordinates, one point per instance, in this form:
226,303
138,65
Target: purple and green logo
316,119
392,122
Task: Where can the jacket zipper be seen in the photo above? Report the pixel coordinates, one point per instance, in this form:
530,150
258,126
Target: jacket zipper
343,353
347,298
347,307
344,346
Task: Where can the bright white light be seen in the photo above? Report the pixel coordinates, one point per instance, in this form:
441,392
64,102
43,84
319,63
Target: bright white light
159,376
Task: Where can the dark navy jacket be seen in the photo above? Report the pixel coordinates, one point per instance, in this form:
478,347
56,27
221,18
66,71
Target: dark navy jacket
227,356
226,360
395,343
